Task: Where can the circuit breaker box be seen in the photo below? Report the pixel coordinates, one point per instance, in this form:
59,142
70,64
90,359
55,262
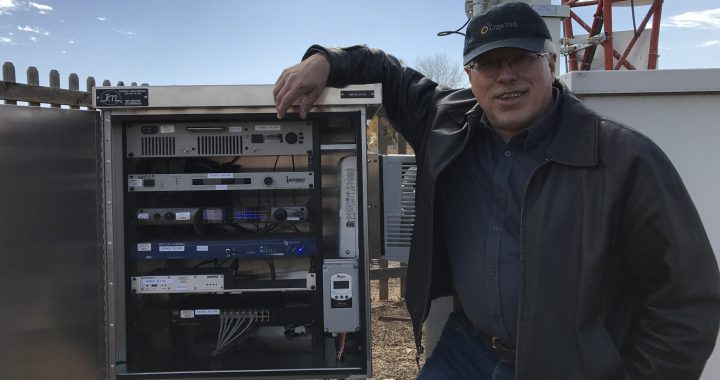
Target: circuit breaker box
235,242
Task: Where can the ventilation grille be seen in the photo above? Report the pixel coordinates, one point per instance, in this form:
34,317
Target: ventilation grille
399,225
219,145
158,146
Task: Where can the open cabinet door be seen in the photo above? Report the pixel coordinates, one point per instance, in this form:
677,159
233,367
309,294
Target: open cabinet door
50,324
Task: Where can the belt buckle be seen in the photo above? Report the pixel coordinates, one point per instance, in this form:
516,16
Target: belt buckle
493,342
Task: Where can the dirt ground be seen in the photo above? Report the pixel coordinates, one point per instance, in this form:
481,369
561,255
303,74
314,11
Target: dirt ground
393,349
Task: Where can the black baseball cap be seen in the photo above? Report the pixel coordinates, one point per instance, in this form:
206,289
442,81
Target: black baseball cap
513,24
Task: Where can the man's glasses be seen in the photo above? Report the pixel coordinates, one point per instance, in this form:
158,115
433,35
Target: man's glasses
490,67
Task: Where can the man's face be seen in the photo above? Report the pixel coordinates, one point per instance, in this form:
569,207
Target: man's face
517,94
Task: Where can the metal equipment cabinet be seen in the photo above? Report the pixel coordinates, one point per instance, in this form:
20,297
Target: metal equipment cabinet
235,243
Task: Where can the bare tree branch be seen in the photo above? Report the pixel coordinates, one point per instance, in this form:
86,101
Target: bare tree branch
442,70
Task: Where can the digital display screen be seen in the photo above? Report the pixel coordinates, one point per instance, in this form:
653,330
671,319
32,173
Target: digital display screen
341,284
221,181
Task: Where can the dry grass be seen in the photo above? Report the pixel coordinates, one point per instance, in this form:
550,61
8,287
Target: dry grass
393,348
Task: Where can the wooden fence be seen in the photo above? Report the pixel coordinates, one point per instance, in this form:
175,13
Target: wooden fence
12,92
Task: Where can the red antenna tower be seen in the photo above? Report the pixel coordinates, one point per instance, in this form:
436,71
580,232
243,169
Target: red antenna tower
600,32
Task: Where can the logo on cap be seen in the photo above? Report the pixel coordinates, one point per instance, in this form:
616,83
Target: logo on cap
498,27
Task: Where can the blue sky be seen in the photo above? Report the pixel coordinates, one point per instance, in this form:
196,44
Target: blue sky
169,42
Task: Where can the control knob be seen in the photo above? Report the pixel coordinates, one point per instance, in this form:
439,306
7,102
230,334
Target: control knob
291,137
280,214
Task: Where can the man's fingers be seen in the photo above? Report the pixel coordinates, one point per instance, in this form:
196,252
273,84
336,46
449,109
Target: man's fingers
287,97
308,103
280,95
279,83
304,81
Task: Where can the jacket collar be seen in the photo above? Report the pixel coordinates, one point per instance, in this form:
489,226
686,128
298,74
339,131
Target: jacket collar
575,141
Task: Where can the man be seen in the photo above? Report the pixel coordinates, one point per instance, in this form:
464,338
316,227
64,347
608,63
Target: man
568,240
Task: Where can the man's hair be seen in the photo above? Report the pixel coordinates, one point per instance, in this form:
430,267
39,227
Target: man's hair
550,48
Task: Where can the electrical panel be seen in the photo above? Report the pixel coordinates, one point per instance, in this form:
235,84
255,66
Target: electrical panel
340,304
398,176
236,241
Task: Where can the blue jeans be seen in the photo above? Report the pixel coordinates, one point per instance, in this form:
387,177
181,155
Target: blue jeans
462,353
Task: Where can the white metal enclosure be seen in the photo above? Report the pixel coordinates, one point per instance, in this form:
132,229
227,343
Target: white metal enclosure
679,110
235,242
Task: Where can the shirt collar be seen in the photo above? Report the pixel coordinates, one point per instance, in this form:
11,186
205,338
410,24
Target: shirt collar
539,129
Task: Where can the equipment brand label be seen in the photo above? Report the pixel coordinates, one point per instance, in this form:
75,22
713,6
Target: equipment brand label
167,129
294,180
207,312
220,175
121,97
357,94
147,281
350,197
171,248
144,247
267,127
185,314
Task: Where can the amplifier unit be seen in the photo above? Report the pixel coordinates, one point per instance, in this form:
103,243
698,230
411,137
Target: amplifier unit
215,215
199,283
217,283
220,181
242,249
218,139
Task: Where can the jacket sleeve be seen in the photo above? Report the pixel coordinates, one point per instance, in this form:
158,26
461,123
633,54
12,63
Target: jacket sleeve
408,96
674,272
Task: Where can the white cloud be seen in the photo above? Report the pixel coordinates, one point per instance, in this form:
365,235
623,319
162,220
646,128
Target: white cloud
709,43
707,19
127,33
46,33
71,42
63,52
7,5
101,18
28,28
5,41
41,7
33,39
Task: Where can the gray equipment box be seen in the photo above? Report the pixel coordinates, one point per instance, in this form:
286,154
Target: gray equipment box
263,289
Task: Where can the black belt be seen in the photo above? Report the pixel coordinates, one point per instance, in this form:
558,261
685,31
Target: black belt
504,352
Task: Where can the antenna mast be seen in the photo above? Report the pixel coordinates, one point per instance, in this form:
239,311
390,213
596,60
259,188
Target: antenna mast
600,33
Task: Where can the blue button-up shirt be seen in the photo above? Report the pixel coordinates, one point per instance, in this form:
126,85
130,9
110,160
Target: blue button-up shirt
480,197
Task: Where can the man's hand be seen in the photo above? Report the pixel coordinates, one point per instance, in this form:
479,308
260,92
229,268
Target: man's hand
302,82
